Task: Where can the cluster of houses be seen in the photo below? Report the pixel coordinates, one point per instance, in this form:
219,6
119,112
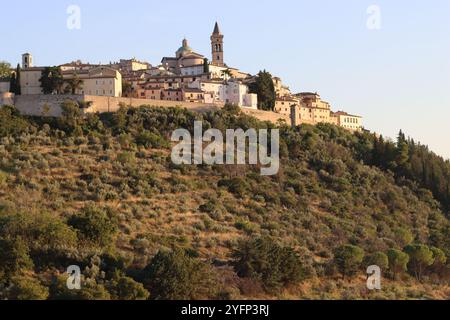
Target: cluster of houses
309,108
189,77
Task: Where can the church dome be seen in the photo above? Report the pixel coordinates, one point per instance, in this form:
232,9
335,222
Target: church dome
184,49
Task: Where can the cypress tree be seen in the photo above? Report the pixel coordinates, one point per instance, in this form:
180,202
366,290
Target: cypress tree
18,89
12,83
205,65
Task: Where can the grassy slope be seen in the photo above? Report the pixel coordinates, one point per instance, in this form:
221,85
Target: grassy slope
323,197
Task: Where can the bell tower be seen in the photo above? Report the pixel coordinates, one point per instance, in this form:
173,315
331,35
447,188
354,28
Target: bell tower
27,61
217,47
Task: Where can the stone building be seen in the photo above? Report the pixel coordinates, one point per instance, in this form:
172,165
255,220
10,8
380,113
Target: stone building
96,80
217,47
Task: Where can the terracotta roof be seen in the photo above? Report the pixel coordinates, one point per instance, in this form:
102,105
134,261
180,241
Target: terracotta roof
342,113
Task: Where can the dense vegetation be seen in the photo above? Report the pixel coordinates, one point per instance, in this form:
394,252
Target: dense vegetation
101,192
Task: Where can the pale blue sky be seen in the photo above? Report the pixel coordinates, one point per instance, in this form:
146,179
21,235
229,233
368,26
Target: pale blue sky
397,77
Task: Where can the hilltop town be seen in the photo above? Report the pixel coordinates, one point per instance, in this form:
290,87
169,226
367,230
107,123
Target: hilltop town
187,79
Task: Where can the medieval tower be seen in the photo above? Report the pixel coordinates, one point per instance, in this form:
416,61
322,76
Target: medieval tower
217,47
27,61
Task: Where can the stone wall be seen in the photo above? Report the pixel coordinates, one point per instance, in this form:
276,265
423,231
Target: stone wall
50,106
112,104
43,105
4,86
6,98
268,116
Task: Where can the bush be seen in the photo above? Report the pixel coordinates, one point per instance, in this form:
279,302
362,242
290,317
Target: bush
177,276
95,225
379,259
14,256
398,262
151,140
3,179
237,186
27,288
125,288
126,158
440,261
348,259
264,260
90,290
420,257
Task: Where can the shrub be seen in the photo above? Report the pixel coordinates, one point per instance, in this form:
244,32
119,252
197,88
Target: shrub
90,290
125,288
150,140
27,288
177,276
440,260
14,256
237,186
264,260
95,225
379,259
348,259
126,158
398,262
3,179
420,257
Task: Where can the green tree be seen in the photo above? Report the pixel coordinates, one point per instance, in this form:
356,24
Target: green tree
125,288
398,262
17,88
227,73
96,225
205,65
420,257
14,256
27,288
127,88
52,80
71,118
90,290
11,123
265,89
403,237
73,84
177,276
377,259
12,83
5,70
266,261
440,260
402,153
348,259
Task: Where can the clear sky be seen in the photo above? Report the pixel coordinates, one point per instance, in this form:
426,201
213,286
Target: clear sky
397,77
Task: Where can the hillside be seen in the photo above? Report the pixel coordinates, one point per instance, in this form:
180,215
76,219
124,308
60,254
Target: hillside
101,192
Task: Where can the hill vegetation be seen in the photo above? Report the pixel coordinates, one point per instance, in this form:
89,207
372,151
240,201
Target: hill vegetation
101,192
